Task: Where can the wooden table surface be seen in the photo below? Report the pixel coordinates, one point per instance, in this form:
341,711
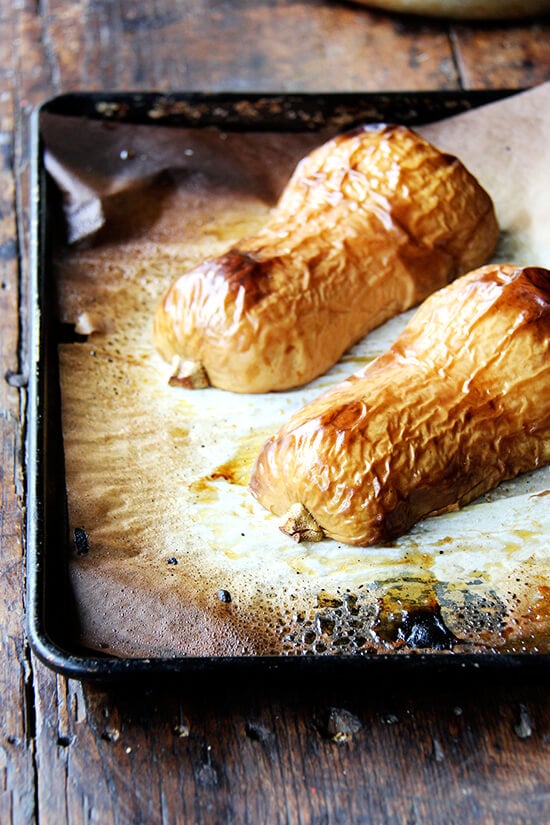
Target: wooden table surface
422,748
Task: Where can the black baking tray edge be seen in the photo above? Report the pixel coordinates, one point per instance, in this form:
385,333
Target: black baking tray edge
49,612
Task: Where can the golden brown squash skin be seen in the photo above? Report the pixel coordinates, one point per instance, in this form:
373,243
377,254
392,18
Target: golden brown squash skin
370,224
459,403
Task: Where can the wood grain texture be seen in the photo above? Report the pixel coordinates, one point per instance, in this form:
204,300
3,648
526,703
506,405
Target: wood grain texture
17,770
426,751
274,45
503,56
411,750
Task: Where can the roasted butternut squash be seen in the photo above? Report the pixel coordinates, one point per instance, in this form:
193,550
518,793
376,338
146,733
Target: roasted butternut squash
370,223
459,403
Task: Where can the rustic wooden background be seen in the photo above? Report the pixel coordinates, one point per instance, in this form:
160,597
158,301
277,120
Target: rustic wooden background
399,750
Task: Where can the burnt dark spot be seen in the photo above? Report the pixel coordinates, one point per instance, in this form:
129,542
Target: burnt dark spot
242,273
172,560
424,628
415,626
224,596
81,542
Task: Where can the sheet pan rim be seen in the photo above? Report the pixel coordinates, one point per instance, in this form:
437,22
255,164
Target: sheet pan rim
89,666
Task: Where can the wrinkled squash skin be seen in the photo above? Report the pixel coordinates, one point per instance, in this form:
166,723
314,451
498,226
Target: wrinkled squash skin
370,224
459,403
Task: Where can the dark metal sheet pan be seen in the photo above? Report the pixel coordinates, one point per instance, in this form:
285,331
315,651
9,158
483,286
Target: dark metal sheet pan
51,613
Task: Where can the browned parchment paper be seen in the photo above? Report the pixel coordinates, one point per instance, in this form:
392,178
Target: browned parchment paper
179,559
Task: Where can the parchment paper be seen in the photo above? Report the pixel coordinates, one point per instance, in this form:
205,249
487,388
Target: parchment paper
172,555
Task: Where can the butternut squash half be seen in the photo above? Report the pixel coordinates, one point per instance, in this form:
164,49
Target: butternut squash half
459,403
370,223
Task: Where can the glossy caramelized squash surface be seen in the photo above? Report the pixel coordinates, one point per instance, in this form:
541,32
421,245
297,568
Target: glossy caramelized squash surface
370,223
459,403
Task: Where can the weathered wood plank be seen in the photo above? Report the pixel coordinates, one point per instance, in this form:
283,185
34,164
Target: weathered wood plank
505,56
337,753
17,802
272,45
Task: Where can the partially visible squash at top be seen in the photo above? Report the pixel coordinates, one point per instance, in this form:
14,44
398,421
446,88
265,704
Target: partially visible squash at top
464,9
370,223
